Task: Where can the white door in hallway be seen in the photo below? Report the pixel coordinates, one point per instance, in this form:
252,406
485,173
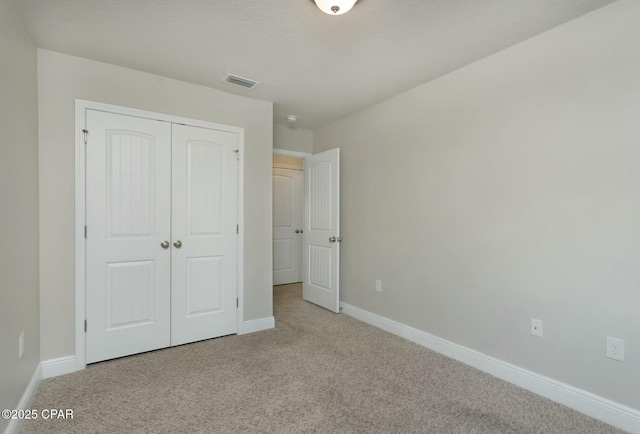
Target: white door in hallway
128,208
322,230
287,226
204,232
161,245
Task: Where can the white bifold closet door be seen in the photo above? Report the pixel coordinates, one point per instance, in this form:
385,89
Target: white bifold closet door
161,260
204,222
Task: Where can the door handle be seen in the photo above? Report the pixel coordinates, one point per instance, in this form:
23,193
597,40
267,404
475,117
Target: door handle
332,239
339,239
177,244
297,231
164,244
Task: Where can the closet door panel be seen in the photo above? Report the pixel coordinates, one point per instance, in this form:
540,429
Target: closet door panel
128,217
204,234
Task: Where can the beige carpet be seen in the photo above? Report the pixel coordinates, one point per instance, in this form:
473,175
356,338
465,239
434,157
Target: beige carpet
315,372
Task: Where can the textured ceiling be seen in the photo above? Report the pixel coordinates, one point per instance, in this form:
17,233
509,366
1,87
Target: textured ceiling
310,64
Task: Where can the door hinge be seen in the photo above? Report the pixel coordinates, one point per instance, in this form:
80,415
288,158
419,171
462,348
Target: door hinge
237,302
85,231
237,229
85,325
237,151
86,133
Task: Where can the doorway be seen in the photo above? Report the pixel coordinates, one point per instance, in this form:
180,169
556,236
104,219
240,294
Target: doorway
288,233
315,242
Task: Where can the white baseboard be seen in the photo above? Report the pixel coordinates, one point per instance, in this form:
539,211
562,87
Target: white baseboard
59,366
257,325
600,408
67,365
25,401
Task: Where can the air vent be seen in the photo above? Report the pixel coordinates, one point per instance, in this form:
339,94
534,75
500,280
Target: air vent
247,83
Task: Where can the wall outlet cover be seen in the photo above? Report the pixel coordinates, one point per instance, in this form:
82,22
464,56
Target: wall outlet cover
21,345
378,285
536,327
615,348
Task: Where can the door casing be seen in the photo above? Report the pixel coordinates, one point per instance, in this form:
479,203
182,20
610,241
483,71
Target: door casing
80,170
301,156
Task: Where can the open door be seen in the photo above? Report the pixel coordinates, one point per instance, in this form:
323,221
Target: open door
321,251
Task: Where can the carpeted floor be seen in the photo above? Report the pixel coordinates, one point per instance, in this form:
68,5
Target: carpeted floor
315,372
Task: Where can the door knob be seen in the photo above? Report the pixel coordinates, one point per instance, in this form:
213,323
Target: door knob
339,239
164,244
297,231
332,239
177,244
301,231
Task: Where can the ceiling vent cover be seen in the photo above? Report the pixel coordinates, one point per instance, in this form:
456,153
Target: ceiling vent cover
236,80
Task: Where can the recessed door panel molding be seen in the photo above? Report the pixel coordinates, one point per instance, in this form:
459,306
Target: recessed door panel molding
130,183
283,199
322,237
320,267
205,184
283,254
287,225
204,289
320,203
162,239
129,291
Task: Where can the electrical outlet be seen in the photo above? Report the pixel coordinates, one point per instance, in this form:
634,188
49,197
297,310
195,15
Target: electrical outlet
536,327
378,285
615,348
21,345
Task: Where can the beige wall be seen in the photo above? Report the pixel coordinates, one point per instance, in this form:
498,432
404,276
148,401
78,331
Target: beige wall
504,191
64,78
19,207
292,139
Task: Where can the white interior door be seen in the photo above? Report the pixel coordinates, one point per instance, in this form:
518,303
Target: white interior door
287,226
204,234
128,205
322,229
162,234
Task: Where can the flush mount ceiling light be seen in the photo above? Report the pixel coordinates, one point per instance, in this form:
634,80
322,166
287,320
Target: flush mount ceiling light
335,7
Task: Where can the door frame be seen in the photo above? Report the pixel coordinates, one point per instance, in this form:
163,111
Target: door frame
296,175
81,107
295,154
301,156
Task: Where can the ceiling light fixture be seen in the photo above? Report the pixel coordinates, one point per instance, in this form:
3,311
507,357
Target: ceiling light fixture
335,7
